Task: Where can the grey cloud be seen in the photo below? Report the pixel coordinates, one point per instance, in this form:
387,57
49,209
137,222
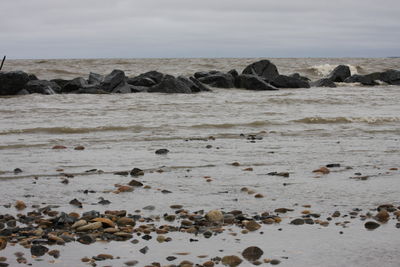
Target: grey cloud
184,28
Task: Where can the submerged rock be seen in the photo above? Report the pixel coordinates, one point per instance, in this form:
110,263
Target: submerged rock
325,82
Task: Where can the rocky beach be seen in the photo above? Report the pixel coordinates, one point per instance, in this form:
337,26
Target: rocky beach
228,162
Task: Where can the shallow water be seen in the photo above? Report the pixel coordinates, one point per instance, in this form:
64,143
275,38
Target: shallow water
299,130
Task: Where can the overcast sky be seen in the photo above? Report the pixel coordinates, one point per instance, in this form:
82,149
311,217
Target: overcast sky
199,28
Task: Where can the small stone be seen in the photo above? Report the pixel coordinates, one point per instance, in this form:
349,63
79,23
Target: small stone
105,256
150,207
126,221
252,226
90,226
135,183
144,250
236,164
208,264
333,165
3,243
106,222
79,148
297,221
131,263
371,225
231,261
176,207
55,253
162,151
17,170
122,173
283,210
86,239
3,259
76,202
275,262
38,250
259,195
382,216
215,216
20,205
248,169
170,218
85,259
336,214
322,170
125,188
171,258
59,147
79,224
136,172
252,253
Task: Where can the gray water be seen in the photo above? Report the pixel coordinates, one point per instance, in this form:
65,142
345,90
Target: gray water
300,130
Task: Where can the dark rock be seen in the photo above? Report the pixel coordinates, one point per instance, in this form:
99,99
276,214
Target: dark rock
55,253
275,262
263,68
297,221
17,170
33,77
333,165
122,88
136,172
147,79
64,218
201,74
90,215
135,183
113,80
298,76
339,74
144,250
131,263
252,82
363,79
324,82
219,80
38,250
282,81
86,239
170,85
23,92
104,201
194,84
234,73
91,90
171,258
42,87
162,151
4,264
252,253
76,202
60,82
371,225
95,78
74,85
391,77
12,82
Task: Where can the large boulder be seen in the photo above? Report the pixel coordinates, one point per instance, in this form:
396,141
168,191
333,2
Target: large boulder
325,82
91,89
391,77
218,80
170,85
263,68
298,76
42,87
147,79
282,81
339,74
12,82
113,80
60,82
201,74
195,85
95,78
253,82
363,79
74,85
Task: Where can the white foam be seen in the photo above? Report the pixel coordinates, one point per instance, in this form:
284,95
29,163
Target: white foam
325,69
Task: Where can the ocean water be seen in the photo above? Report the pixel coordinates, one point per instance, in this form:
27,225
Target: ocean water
294,130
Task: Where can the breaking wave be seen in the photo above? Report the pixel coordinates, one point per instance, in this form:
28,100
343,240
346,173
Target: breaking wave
325,69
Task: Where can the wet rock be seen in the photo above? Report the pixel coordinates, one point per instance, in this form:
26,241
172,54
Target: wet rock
42,87
336,214
263,68
76,203
17,170
297,221
113,80
3,243
382,216
322,170
131,263
371,225
208,264
38,250
126,221
135,183
363,79
105,256
162,151
147,79
252,226
252,253
136,172
86,239
339,74
90,226
275,262
282,81
218,80
282,210
333,165
95,78
195,85
54,253
144,250
20,205
388,207
106,222
391,77
214,216
122,173
231,261
79,148
59,147
323,83
124,188
170,85
253,82
12,82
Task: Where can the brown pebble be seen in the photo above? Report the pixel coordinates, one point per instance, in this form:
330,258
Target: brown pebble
259,195
208,264
79,148
248,169
85,259
176,207
252,226
322,170
382,216
3,259
55,253
106,222
252,253
20,205
3,243
59,147
236,164
105,256
231,261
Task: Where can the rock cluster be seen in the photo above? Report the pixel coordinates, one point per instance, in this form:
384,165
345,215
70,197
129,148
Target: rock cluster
260,75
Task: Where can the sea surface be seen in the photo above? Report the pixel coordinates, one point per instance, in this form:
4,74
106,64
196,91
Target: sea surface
290,130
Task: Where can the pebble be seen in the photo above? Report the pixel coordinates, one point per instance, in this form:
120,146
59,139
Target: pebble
17,170
162,151
252,226
3,243
275,262
208,264
79,148
144,250
297,221
86,239
20,205
105,256
76,202
55,253
3,259
259,195
382,216
79,224
90,226
171,258
282,210
106,222
135,183
136,172
371,225
38,250
59,147
231,261
131,263
215,216
252,253
322,170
